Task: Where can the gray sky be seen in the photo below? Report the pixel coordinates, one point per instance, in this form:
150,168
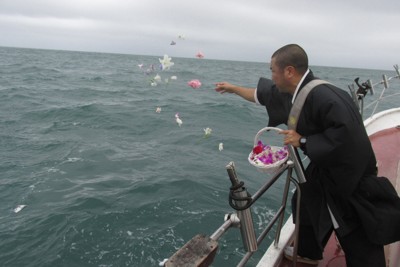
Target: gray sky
343,33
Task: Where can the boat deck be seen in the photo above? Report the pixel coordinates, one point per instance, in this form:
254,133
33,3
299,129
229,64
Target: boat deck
333,257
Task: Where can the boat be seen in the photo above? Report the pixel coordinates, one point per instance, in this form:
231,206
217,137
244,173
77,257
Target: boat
383,129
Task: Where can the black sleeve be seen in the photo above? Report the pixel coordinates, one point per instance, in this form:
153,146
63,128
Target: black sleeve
277,104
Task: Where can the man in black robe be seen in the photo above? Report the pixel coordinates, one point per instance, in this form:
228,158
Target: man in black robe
334,138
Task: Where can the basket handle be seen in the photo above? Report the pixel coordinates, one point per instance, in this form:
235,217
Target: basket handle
263,130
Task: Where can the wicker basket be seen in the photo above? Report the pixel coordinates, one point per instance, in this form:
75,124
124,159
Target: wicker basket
260,165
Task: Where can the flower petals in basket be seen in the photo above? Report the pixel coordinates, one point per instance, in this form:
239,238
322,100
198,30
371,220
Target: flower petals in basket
268,158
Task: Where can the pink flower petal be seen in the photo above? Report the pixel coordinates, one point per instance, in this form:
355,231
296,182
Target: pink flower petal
194,84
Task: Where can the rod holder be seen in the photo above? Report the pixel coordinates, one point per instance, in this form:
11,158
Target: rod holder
371,86
241,200
385,81
396,68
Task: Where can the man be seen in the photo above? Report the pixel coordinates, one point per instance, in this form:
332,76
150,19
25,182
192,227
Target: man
333,136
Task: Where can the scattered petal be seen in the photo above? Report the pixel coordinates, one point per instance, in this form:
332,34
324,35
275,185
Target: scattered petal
194,84
150,69
166,62
178,119
158,110
19,208
207,132
173,78
200,55
221,146
157,78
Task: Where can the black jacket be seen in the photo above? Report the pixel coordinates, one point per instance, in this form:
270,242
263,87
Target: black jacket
339,150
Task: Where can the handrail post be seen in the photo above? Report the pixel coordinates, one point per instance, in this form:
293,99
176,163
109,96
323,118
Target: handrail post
284,201
298,167
297,221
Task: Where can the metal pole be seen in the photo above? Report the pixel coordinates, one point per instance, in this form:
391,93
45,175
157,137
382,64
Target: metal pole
296,225
283,204
298,167
240,195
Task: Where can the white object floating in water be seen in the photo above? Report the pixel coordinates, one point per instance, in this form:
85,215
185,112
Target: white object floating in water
157,78
221,146
207,132
174,77
178,120
158,110
19,208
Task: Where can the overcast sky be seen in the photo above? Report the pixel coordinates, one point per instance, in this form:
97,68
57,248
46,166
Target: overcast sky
343,33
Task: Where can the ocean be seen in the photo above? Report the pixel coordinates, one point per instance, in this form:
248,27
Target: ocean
106,180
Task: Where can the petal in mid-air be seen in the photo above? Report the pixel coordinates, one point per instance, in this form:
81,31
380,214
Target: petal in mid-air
200,55
194,84
166,62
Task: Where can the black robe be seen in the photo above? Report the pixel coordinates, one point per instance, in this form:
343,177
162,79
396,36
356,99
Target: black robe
338,147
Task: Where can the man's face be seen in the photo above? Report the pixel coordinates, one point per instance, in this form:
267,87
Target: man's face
280,77
277,75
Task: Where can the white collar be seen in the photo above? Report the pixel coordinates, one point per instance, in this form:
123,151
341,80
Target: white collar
298,86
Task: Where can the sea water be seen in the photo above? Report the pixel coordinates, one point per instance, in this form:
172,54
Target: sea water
92,175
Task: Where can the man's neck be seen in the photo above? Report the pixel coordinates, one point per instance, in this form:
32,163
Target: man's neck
300,81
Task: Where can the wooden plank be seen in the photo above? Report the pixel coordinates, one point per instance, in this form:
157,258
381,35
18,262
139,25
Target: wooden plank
198,252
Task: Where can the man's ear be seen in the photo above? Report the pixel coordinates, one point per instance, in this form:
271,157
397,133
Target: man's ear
290,71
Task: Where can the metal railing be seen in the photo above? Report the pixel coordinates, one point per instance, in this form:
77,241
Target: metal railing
368,86
200,251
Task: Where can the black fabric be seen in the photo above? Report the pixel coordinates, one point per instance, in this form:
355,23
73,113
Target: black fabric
340,156
378,206
360,251
308,246
277,104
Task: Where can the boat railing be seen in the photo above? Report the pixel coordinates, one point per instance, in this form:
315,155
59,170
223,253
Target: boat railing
368,86
201,249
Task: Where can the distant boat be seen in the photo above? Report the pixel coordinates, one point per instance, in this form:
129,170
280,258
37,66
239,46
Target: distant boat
383,129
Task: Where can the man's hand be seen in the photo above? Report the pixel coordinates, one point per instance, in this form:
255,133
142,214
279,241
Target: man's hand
291,137
225,87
